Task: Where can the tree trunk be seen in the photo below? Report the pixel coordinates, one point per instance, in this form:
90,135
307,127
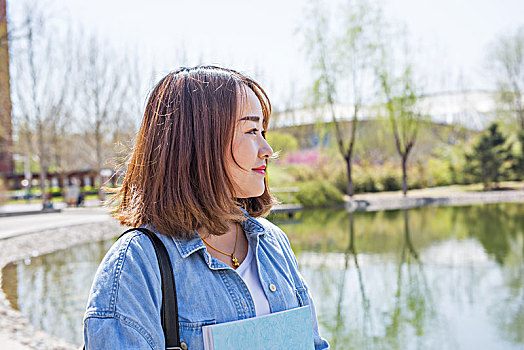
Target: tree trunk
404,174
98,141
351,190
485,183
407,236
521,160
43,166
520,111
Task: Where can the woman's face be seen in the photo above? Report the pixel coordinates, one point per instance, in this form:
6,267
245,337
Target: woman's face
250,150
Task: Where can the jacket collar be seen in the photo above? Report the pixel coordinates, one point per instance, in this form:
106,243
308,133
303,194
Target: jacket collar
250,225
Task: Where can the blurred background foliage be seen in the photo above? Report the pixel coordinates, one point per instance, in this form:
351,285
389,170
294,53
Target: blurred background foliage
445,155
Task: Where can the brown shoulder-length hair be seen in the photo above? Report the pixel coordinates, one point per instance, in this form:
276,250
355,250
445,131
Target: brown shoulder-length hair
176,178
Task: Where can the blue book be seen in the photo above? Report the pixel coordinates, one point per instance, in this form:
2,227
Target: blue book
290,329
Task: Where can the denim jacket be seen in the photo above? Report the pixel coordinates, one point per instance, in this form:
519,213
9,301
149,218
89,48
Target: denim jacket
123,310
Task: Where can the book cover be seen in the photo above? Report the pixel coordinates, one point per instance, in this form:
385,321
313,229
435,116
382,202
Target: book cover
290,329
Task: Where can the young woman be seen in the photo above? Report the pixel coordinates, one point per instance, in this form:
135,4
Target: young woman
197,179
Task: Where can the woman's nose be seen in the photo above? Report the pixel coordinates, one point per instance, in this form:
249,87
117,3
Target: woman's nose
265,151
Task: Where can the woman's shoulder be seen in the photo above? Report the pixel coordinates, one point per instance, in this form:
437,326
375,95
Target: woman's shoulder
130,259
273,232
126,294
133,248
270,228
278,243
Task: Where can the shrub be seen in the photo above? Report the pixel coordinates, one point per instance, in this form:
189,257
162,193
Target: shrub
279,176
365,183
391,182
56,191
89,190
440,172
302,173
318,194
418,175
281,142
337,176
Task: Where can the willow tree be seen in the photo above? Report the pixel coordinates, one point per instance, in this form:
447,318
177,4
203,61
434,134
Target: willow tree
401,107
362,22
343,60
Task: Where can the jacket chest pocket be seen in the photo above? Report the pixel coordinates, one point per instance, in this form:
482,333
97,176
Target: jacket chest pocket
191,333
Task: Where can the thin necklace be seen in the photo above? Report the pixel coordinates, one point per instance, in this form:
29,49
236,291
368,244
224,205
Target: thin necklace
234,260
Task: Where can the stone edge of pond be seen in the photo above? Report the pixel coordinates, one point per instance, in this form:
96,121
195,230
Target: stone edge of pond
14,327
395,202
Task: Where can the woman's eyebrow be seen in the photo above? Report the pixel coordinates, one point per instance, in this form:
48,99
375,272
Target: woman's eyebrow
253,118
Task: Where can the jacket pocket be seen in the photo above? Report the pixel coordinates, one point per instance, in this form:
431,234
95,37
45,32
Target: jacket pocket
191,333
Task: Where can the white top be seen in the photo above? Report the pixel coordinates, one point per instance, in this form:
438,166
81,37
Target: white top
249,273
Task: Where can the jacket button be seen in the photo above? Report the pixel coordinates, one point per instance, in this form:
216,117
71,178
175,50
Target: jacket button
272,287
183,346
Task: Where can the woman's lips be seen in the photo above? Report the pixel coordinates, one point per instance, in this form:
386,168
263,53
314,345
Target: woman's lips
260,170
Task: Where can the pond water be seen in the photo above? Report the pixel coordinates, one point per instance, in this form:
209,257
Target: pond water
428,278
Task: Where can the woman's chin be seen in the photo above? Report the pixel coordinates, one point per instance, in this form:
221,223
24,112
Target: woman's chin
251,193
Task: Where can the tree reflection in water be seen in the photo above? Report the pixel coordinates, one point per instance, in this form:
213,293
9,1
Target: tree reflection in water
510,313
501,231
52,289
414,305
340,334
410,321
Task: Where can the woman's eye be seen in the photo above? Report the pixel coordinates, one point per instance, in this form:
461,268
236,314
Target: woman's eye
253,131
264,134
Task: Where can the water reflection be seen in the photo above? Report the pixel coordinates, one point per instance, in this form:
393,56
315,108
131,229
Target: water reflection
52,290
504,240
413,310
338,329
509,311
431,278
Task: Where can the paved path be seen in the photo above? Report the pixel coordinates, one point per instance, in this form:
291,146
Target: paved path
7,344
12,226
36,207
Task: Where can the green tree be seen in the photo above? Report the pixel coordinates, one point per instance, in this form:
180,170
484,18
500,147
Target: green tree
281,142
518,166
401,108
506,62
357,47
344,58
491,158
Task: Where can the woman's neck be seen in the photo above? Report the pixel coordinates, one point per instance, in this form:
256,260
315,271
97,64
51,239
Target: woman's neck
226,244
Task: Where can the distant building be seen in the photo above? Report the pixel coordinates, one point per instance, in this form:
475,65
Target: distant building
6,136
472,109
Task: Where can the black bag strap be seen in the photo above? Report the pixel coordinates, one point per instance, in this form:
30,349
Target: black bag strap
169,309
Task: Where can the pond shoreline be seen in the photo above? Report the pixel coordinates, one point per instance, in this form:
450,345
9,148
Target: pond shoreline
17,333
378,202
